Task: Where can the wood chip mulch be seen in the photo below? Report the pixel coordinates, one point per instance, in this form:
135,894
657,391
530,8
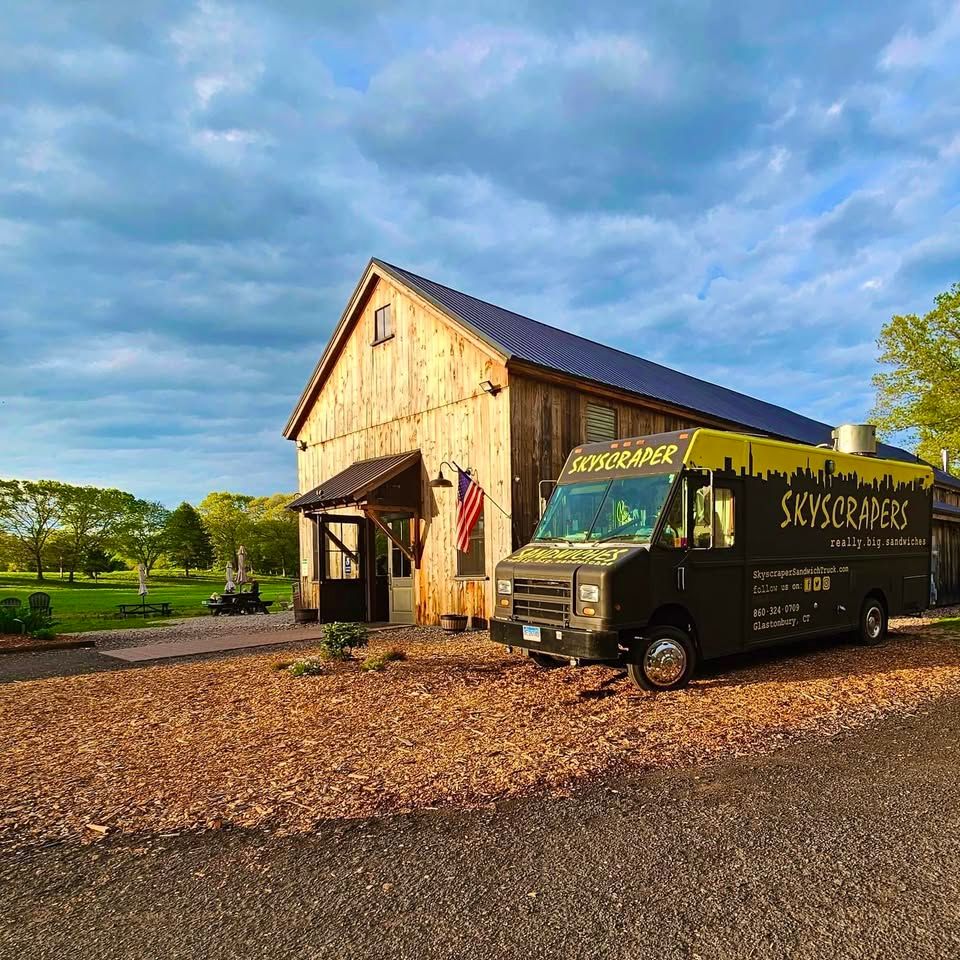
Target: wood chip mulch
232,741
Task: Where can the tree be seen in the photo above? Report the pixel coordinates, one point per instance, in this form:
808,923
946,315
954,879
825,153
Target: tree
11,551
90,517
276,533
30,512
225,517
97,561
188,543
142,534
919,393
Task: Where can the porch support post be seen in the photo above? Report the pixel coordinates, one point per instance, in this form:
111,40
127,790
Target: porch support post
402,547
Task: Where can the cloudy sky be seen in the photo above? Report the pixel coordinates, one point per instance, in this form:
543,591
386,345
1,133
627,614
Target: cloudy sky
188,194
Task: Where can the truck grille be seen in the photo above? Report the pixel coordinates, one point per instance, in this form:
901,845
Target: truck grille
542,601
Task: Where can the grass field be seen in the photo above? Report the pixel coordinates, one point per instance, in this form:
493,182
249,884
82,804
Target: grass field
92,605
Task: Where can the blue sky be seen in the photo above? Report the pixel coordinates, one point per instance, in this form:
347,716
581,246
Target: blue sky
189,192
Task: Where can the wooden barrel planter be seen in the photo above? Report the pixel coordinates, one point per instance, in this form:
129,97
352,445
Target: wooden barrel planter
453,622
305,615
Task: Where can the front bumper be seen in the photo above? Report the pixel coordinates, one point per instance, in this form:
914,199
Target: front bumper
559,641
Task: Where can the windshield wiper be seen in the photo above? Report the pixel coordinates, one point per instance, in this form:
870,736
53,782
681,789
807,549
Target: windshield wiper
618,536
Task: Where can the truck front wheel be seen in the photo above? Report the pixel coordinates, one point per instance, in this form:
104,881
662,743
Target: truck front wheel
873,622
665,660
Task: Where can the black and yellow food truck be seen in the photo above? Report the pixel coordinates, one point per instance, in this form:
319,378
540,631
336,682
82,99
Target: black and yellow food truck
658,552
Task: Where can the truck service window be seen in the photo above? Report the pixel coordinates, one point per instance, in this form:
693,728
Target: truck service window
623,509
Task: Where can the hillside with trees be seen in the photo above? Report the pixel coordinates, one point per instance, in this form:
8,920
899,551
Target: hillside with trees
47,525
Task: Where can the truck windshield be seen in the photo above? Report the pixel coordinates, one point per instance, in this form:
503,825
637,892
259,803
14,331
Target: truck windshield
623,509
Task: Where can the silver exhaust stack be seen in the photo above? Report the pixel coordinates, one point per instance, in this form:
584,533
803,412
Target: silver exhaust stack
857,438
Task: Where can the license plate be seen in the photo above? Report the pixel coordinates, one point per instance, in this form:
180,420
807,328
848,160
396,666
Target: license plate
531,633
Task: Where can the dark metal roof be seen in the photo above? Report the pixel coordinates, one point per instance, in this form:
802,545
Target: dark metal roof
537,343
948,509
356,483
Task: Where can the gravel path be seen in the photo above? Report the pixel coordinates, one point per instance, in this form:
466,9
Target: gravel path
832,849
185,628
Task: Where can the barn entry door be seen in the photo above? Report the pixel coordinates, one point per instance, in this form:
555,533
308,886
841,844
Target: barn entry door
342,565
400,572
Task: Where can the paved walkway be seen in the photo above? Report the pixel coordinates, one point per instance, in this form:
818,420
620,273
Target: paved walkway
210,644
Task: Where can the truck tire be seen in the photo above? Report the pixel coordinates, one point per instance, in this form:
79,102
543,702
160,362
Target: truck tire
545,662
872,629
665,660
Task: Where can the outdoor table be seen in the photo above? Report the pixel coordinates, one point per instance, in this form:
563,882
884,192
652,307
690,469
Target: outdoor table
144,609
233,604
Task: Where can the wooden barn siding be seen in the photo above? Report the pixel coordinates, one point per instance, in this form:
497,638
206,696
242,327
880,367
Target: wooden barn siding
946,541
418,391
548,419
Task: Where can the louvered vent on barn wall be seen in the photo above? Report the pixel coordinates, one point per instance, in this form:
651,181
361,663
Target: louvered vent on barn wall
601,423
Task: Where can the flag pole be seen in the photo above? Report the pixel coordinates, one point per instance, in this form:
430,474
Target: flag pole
469,473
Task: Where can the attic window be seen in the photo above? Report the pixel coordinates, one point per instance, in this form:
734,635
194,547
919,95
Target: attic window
382,324
601,423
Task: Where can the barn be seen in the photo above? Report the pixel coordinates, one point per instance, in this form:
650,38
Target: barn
420,381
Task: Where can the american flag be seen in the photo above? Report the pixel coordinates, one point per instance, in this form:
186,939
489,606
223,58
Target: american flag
469,506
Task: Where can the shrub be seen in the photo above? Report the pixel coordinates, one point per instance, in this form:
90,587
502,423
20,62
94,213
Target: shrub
304,668
45,633
379,661
339,639
23,620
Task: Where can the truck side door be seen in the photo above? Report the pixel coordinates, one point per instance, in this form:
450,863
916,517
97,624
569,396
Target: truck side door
713,581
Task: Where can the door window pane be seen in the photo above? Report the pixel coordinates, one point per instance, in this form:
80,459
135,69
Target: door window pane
714,518
724,518
340,564
400,562
674,533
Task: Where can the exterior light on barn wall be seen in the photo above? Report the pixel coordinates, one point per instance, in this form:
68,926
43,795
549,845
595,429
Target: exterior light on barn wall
441,480
302,444
488,386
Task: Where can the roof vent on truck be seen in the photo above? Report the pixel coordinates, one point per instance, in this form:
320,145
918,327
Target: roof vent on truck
858,438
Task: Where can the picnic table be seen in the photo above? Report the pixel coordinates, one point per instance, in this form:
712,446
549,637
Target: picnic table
234,604
145,609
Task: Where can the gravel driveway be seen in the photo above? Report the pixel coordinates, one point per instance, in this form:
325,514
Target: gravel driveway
828,849
54,663
188,628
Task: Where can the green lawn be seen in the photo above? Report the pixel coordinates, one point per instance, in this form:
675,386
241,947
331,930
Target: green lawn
92,605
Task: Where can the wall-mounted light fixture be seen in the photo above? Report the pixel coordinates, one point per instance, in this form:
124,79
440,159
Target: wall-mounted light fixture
487,386
440,481
302,444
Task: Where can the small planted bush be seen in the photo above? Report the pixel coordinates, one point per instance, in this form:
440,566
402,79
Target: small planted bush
378,662
45,633
340,639
304,668
24,620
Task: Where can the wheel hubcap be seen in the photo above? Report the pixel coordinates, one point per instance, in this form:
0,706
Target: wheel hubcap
664,662
874,622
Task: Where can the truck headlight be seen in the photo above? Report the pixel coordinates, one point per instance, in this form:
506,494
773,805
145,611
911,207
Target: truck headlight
589,592
505,586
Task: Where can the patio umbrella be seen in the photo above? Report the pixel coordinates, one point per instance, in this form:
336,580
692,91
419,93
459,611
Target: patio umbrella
241,564
142,577
230,584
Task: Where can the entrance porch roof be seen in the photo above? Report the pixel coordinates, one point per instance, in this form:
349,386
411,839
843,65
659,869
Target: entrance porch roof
357,484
